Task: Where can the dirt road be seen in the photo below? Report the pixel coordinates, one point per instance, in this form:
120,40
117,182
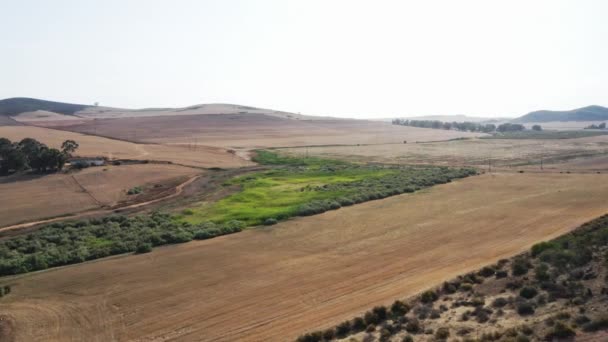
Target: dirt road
273,283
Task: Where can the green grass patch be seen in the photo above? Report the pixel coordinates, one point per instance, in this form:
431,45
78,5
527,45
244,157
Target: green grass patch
306,186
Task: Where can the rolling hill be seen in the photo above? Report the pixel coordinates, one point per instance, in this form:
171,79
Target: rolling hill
589,113
16,105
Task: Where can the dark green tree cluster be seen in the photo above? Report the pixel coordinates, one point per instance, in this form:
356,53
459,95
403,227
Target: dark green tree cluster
510,127
30,154
594,126
72,242
465,126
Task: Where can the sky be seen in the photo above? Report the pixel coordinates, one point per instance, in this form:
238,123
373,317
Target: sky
346,58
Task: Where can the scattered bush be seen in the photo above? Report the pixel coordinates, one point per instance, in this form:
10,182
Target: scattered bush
442,333
270,222
358,324
560,331
429,296
399,308
598,324
143,248
343,329
413,326
528,292
525,308
487,272
500,302
519,267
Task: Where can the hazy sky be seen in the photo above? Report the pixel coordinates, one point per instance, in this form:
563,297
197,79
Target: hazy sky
341,58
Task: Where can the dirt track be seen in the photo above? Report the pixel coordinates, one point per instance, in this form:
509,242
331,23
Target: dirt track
271,284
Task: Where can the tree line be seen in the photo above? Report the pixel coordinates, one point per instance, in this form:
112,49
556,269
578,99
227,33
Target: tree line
465,126
30,154
599,126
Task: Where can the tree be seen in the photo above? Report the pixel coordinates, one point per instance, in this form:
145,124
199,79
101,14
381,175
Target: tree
537,128
602,125
68,147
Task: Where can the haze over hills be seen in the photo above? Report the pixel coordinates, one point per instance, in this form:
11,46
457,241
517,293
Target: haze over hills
31,109
589,113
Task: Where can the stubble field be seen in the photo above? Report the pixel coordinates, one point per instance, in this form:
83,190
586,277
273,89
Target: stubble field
95,146
271,284
257,130
474,152
32,198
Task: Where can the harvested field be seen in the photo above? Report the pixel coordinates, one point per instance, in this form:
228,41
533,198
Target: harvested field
257,130
271,284
201,156
472,152
31,198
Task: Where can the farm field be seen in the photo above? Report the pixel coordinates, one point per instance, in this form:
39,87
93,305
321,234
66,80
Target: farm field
31,198
201,156
472,152
274,283
257,130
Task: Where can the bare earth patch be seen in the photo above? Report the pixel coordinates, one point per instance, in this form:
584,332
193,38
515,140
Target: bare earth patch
37,197
272,284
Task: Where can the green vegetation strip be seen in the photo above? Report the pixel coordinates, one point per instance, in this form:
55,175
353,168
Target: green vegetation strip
308,186
545,135
294,187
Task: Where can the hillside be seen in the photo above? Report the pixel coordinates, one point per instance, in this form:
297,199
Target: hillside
25,109
16,105
589,113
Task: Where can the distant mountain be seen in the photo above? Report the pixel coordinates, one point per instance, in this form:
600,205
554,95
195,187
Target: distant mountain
590,113
17,105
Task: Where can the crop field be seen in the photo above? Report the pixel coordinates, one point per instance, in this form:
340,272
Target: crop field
31,198
274,283
472,152
200,156
257,131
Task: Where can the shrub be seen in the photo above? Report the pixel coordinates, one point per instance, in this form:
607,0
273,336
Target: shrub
413,326
270,221
487,272
541,272
560,331
407,338
597,324
528,292
399,308
188,212
329,335
519,267
442,333
380,312
428,296
501,274
143,248
370,328
135,191
343,329
371,318
358,324
499,302
525,308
